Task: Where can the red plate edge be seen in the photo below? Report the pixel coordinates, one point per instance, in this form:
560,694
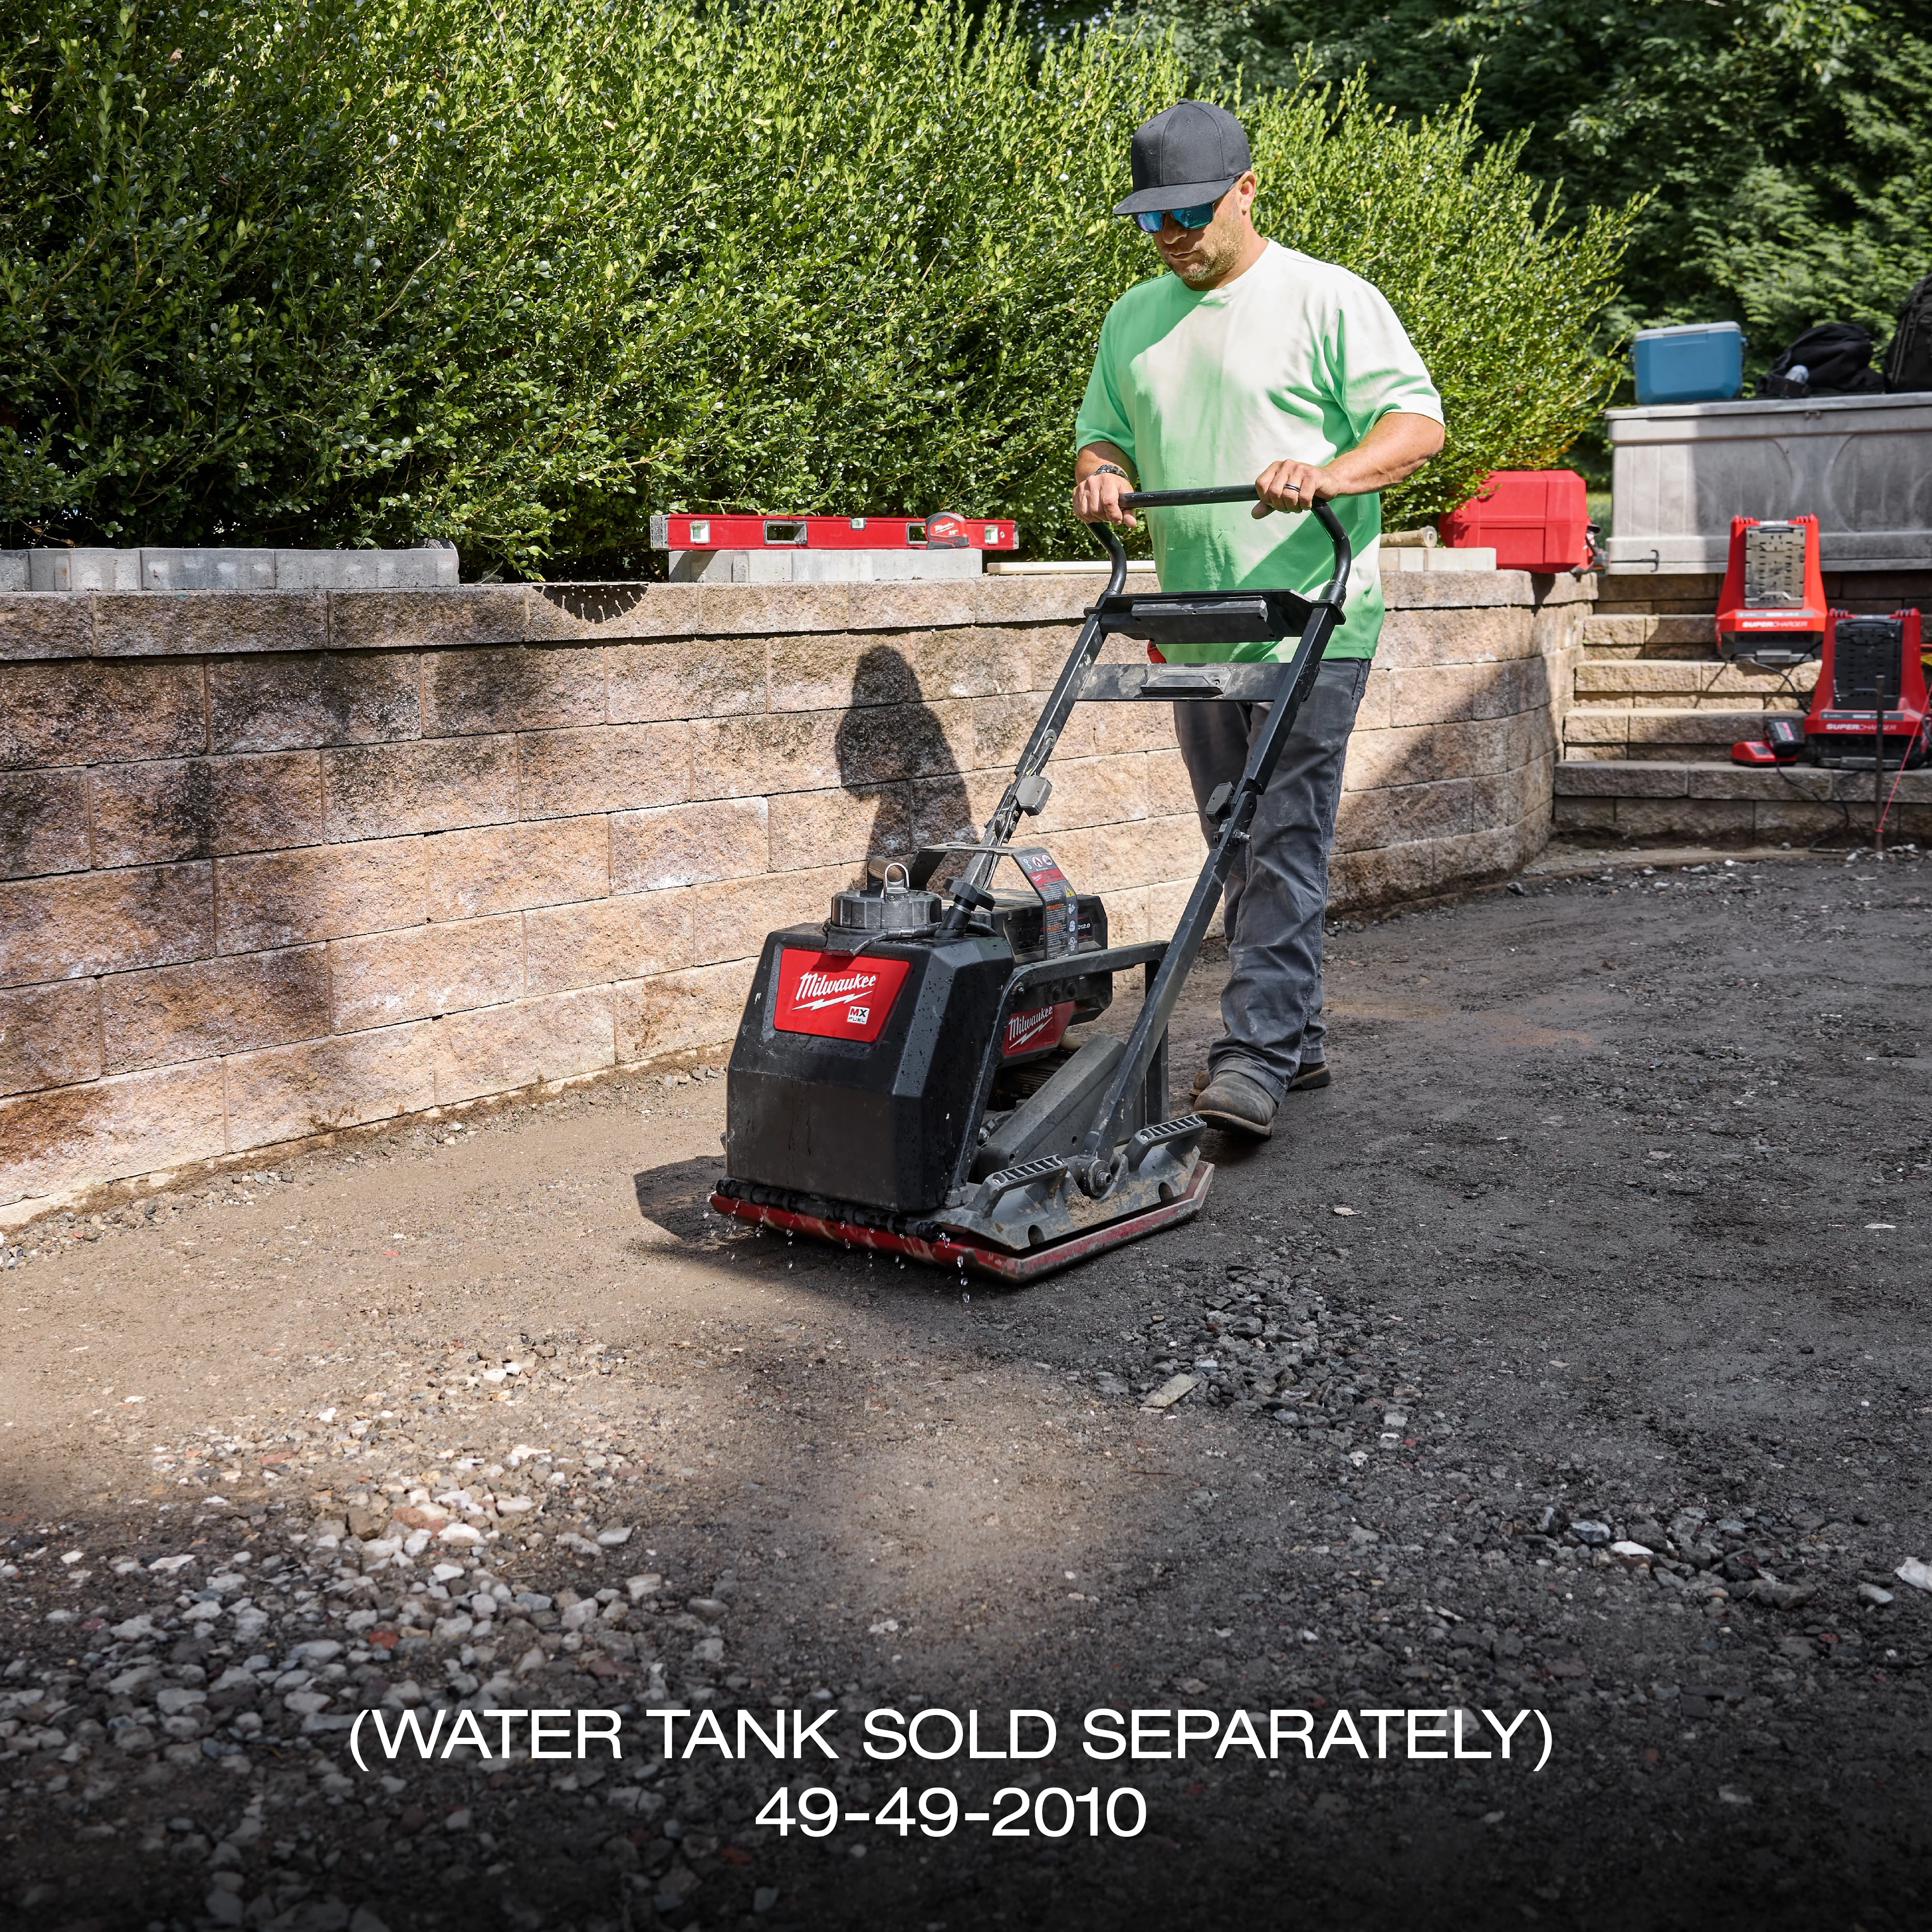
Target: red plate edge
996,1261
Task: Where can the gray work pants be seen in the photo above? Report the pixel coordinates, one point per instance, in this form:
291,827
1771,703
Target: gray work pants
1277,890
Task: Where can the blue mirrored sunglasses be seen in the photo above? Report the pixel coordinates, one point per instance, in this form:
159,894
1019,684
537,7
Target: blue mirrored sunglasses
1197,217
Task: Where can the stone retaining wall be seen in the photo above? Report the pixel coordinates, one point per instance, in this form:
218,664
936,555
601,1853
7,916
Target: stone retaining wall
275,865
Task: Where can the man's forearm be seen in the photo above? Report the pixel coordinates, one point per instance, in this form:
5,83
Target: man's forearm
1396,447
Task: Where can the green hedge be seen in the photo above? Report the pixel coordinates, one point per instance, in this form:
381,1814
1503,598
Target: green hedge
366,273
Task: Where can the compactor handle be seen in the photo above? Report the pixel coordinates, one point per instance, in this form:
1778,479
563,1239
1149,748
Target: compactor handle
1336,589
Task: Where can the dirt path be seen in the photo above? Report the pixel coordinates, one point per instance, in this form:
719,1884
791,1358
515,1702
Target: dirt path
1615,1216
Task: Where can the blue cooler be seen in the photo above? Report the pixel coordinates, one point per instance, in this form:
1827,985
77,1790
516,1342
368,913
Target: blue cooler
1694,362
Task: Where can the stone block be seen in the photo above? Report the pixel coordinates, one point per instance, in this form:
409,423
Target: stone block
324,892
599,613
1099,791
783,610
1114,728
687,677
741,758
1489,852
72,714
1057,600
908,604
1503,799
811,829
1451,694
1169,790
282,704
42,823
194,808
1684,817
676,1013
1402,815
211,1006
1449,590
996,729
1165,903
1585,815
1791,782
1620,778
109,1129
1375,712
633,938
1738,676
429,784
1622,677
1113,858
500,1049
1411,639
44,626
1792,817
1426,754
1704,728
481,692
287,1093
77,924
958,807
207,623
387,620
835,670
730,920
379,978
1379,875
1597,727
49,1036
979,661
689,845
508,867
609,768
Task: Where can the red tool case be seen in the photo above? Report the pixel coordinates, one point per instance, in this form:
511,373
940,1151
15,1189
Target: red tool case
1533,520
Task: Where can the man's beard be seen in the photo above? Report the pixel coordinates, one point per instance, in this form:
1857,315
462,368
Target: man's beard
1215,262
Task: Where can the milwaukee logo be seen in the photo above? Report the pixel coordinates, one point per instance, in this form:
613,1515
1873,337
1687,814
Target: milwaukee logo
829,989
834,995
1022,1027
1032,1032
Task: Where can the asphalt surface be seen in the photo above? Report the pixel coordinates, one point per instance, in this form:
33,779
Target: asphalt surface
1610,1232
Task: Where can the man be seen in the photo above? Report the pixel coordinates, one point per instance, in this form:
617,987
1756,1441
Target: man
1249,359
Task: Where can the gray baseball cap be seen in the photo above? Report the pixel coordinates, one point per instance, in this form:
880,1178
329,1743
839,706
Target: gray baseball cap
1190,153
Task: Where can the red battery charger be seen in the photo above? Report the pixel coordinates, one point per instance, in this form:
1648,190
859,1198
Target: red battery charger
1770,610
1870,700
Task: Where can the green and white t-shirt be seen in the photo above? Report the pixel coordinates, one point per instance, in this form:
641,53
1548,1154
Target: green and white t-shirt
1295,358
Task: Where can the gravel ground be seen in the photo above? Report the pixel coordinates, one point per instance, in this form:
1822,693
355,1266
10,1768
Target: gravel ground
1567,1357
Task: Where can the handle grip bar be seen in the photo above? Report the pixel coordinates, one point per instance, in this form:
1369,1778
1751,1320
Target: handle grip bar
1333,592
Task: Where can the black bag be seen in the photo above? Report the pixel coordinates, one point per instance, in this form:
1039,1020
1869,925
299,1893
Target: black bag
1908,362
1836,359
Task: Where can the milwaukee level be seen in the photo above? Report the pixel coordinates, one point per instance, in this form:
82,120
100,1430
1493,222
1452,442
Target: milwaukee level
945,530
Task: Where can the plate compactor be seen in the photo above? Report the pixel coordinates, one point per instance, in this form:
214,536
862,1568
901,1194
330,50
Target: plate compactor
902,1080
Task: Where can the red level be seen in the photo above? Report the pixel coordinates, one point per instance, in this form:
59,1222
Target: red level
944,530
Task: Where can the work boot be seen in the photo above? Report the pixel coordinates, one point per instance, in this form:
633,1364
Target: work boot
1310,1074
1232,1100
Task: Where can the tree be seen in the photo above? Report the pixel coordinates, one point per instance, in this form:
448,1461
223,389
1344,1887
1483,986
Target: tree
1787,148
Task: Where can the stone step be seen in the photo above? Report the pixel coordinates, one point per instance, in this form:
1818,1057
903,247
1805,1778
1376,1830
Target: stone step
1659,799
1666,733
1647,629
1688,683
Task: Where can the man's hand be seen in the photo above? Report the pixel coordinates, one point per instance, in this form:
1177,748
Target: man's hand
1288,485
1398,445
1097,494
